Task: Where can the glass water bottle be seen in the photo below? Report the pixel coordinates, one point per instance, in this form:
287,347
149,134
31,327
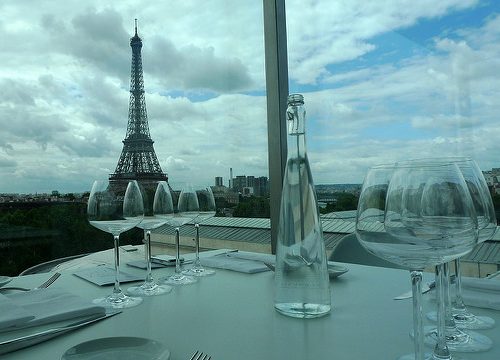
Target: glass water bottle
301,278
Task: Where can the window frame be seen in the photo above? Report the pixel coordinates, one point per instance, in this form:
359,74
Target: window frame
276,60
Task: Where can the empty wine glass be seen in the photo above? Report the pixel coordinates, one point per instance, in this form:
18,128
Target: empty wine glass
158,210
487,225
371,233
207,207
187,209
428,201
115,207
456,339
416,215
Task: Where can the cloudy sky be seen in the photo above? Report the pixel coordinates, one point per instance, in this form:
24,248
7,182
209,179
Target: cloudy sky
383,81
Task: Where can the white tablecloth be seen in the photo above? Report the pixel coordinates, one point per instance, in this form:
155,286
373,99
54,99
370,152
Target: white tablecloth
231,317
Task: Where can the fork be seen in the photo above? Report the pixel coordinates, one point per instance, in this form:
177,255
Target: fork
198,355
44,285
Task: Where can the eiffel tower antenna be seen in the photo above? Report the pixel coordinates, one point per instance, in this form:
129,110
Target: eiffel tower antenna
138,159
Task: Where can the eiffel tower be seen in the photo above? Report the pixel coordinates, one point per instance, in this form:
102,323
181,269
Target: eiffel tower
138,159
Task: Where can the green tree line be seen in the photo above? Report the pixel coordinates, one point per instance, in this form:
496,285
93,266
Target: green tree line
39,234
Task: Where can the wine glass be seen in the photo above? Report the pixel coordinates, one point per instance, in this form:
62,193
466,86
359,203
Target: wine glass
439,210
426,218
115,207
207,206
187,209
158,210
372,235
487,225
456,339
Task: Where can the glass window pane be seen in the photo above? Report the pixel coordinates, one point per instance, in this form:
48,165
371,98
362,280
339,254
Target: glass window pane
66,77
384,82
388,81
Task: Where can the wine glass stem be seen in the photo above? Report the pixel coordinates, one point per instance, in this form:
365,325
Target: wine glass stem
117,289
177,251
441,349
197,244
459,301
149,277
418,329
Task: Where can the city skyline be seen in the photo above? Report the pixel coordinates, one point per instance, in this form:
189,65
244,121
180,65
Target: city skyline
382,82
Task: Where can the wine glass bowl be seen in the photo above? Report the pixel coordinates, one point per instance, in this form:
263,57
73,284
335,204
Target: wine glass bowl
115,208
112,210
206,203
430,202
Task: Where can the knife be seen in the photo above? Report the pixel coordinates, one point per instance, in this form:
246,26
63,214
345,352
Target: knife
29,340
426,287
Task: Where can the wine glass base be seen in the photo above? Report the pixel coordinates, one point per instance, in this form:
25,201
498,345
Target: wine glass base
470,321
427,356
118,301
179,279
459,341
149,289
198,271
467,321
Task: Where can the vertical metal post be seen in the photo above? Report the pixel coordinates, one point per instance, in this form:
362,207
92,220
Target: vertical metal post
277,92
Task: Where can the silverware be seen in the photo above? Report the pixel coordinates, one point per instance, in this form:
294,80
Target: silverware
426,287
200,356
409,294
29,340
46,284
270,266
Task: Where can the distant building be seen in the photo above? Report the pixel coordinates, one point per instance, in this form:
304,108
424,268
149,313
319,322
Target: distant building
239,182
251,181
492,178
258,186
261,186
223,193
247,191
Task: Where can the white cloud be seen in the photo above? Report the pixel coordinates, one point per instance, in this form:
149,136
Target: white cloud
65,75
323,33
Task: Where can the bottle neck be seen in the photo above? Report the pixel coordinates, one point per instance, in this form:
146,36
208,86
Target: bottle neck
297,146
296,131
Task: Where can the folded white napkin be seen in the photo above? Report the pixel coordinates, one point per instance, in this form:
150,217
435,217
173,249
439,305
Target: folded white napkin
261,257
105,275
43,306
11,314
234,261
483,293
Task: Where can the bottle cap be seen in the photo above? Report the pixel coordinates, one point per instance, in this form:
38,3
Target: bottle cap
295,99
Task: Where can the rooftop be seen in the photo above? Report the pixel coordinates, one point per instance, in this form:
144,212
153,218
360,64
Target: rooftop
335,226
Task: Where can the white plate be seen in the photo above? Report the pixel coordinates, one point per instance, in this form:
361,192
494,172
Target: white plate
4,280
118,348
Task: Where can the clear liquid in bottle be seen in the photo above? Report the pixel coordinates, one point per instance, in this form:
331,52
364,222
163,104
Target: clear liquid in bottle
301,278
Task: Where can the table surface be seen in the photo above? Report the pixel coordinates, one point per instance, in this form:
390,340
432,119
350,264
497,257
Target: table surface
231,316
